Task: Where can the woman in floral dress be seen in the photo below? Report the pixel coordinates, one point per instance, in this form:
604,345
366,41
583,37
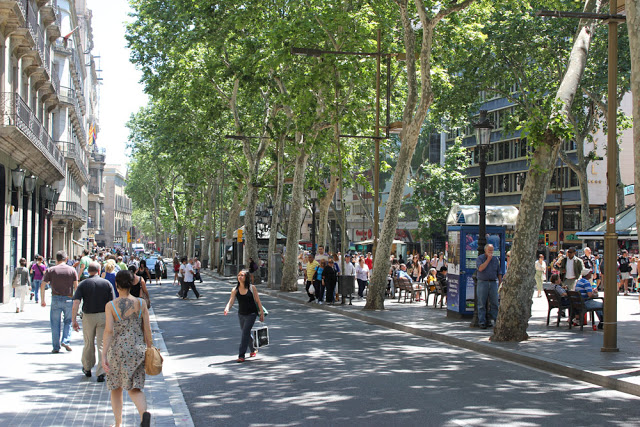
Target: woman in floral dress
127,335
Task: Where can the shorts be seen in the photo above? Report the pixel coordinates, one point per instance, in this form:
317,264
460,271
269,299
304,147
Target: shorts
625,275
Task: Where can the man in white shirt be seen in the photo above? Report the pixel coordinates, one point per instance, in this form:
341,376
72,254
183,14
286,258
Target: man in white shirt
321,255
187,271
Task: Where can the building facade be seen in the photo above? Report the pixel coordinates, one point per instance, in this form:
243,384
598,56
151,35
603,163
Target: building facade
117,208
508,164
43,131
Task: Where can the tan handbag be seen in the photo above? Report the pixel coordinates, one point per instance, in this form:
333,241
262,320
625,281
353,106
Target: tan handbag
152,361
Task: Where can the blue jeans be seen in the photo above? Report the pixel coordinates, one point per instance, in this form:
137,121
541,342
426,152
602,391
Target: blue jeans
246,323
35,288
595,304
60,305
487,292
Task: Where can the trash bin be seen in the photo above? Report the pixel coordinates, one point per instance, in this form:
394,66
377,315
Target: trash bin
346,286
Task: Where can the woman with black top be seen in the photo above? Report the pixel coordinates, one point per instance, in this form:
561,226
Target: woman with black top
144,272
138,283
249,307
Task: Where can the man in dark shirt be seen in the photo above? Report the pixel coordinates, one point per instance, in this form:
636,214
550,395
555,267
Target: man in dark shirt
64,281
488,278
95,293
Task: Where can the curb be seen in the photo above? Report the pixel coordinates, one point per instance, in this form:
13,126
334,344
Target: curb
536,362
179,408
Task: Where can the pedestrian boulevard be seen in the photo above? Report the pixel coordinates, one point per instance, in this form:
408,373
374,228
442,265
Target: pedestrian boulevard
38,388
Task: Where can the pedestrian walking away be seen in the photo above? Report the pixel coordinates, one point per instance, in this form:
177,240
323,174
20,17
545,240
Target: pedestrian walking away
197,266
37,269
127,335
158,271
249,307
21,283
63,280
489,277
95,293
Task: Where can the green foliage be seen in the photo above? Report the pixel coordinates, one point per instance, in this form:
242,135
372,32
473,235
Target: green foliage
436,188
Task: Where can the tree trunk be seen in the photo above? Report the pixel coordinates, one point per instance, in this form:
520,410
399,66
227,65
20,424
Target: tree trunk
620,206
251,242
277,205
209,214
290,268
378,285
323,208
518,284
633,24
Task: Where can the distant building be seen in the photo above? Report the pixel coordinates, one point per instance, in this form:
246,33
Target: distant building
117,208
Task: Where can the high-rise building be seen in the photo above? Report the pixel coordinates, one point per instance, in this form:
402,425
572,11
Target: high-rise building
49,103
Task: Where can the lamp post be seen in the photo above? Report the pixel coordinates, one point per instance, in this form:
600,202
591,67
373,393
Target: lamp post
483,135
313,194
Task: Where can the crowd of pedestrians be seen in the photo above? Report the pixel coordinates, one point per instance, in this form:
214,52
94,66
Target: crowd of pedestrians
107,289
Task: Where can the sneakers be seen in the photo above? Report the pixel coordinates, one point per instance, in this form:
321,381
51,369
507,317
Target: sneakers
55,351
86,372
240,359
101,378
253,353
483,326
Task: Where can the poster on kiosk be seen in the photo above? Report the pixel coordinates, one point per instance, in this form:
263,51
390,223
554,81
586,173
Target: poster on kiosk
462,234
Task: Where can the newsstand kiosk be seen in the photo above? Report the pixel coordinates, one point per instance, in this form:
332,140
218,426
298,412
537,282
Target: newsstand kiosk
462,230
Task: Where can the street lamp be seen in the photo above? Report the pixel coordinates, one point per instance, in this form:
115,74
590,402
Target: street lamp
313,196
483,136
17,178
29,184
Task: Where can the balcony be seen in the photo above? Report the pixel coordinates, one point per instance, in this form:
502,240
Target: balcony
67,96
27,140
70,210
51,17
95,189
77,159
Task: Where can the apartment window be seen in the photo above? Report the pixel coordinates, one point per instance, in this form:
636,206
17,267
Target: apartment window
549,220
571,219
520,180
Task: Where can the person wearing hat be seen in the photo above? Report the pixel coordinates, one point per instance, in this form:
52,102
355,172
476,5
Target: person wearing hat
588,293
570,268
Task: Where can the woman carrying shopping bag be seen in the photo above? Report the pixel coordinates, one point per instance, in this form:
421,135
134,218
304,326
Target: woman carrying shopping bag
249,306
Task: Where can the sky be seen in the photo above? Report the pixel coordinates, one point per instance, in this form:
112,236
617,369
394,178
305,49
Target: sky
121,94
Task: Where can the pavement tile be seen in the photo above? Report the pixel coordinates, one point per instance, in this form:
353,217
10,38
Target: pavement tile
39,388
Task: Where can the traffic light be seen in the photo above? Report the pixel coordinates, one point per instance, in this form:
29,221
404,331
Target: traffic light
546,239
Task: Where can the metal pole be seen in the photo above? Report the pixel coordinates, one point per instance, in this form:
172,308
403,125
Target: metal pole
610,338
376,172
482,229
313,226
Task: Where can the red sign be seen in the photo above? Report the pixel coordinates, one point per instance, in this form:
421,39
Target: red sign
364,233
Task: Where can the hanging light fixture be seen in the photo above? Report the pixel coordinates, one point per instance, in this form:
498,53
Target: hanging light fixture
30,184
17,178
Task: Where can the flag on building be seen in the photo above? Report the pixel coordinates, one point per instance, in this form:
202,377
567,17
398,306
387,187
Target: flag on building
92,134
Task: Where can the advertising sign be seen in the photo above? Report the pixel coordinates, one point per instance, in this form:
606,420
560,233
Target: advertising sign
453,292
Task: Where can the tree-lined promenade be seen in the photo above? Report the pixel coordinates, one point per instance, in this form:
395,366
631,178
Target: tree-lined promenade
233,114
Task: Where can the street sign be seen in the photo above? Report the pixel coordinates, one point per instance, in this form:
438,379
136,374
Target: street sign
628,190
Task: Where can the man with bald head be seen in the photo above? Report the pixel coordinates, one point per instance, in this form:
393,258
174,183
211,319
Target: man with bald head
95,293
489,276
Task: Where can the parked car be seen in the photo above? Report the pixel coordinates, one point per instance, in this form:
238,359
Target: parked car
151,265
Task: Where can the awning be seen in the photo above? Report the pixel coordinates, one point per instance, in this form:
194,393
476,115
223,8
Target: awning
626,227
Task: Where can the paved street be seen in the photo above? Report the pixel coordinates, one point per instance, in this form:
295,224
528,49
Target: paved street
327,369
323,368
